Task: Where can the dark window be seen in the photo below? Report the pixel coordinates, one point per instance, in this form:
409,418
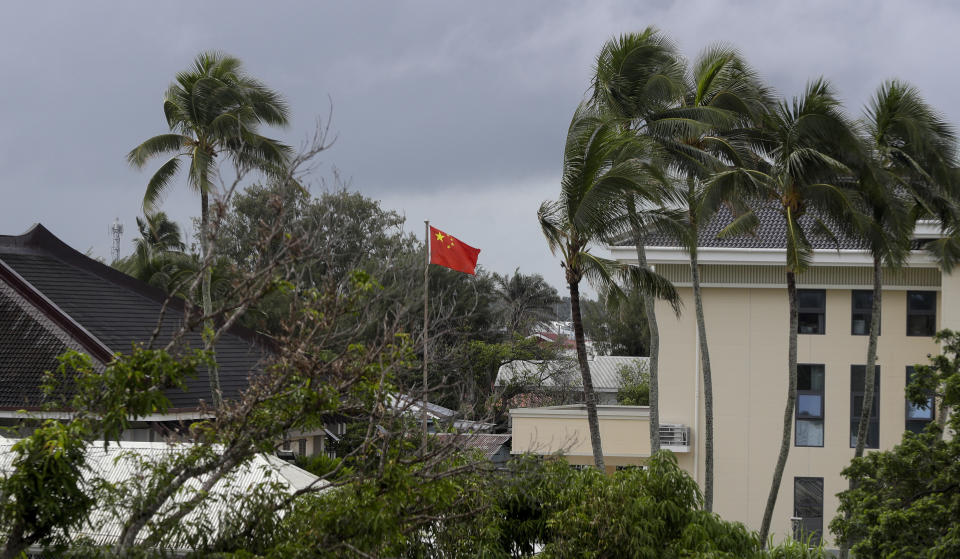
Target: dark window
921,313
857,378
808,506
812,310
862,309
302,447
809,405
918,417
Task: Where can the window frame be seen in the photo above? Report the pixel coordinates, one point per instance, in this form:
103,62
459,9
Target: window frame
908,421
854,312
822,418
875,412
922,312
821,311
818,533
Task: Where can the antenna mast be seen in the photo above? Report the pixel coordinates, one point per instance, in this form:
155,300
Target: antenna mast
116,230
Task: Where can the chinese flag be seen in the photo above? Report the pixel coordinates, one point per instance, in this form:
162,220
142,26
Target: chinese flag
451,252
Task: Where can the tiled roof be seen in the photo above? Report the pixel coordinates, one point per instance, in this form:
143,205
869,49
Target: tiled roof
604,371
29,346
486,443
770,233
117,310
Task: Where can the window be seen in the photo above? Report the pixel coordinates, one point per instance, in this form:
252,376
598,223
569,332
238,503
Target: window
809,405
857,378
808,506
812,309
302,447
862,302
921,313
918,417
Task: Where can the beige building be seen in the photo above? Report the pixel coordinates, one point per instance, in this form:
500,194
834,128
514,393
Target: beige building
746,309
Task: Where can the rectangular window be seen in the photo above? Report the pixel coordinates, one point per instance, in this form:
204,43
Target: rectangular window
862,303
810,405
857,379
921,313
918,417
812,310
808,507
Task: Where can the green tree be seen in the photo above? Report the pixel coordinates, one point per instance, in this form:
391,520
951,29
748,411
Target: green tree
806,181
904,502
213,109
634,385
616,324
524,300
600,163
158,256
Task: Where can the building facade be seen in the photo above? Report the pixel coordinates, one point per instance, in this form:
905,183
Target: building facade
746,311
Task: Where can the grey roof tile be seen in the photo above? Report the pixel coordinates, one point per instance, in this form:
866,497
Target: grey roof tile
119,311
770,233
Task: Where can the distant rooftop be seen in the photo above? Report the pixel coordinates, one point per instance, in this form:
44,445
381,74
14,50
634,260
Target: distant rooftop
604,371
52,297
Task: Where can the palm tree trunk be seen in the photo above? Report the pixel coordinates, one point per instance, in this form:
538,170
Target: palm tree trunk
869,381
593,422
869,375
787,412
707,383
206,298
650,312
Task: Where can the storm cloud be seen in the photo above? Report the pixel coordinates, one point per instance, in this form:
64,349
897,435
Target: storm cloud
448,111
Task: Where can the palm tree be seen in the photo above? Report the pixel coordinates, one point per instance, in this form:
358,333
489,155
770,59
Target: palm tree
159,232
637,77
909,176
726,97
213,109
600,162
525,300
806,181
913,152
158,257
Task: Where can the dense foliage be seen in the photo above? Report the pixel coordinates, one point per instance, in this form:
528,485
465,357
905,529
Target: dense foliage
905,502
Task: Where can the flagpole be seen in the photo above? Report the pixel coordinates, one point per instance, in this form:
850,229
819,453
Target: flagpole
426,322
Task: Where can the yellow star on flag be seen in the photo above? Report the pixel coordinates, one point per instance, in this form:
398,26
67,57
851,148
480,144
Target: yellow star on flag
439,236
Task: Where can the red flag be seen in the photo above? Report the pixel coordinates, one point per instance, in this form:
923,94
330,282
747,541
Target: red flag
450,252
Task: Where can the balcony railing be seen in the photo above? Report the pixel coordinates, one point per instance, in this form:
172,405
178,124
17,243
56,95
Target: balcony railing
675,437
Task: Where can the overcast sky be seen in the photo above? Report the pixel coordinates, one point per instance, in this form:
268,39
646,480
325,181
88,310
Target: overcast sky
448,111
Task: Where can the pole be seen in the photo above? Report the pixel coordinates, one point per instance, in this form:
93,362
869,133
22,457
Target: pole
426,322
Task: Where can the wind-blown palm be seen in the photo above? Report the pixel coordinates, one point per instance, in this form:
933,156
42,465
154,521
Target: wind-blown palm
807,178
909,176
158,257
525,300
727,98
600,163
640,79
213,109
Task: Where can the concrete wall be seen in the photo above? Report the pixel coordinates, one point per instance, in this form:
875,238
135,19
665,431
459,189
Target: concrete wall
624,434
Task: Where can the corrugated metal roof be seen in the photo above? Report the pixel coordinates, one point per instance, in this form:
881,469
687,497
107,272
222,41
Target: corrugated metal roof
128,464
604,371
486,443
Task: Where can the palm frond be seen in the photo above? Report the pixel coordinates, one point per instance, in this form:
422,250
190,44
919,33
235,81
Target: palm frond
160,182
157,145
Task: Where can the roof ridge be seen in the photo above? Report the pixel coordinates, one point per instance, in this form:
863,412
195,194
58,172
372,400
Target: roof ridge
40,239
